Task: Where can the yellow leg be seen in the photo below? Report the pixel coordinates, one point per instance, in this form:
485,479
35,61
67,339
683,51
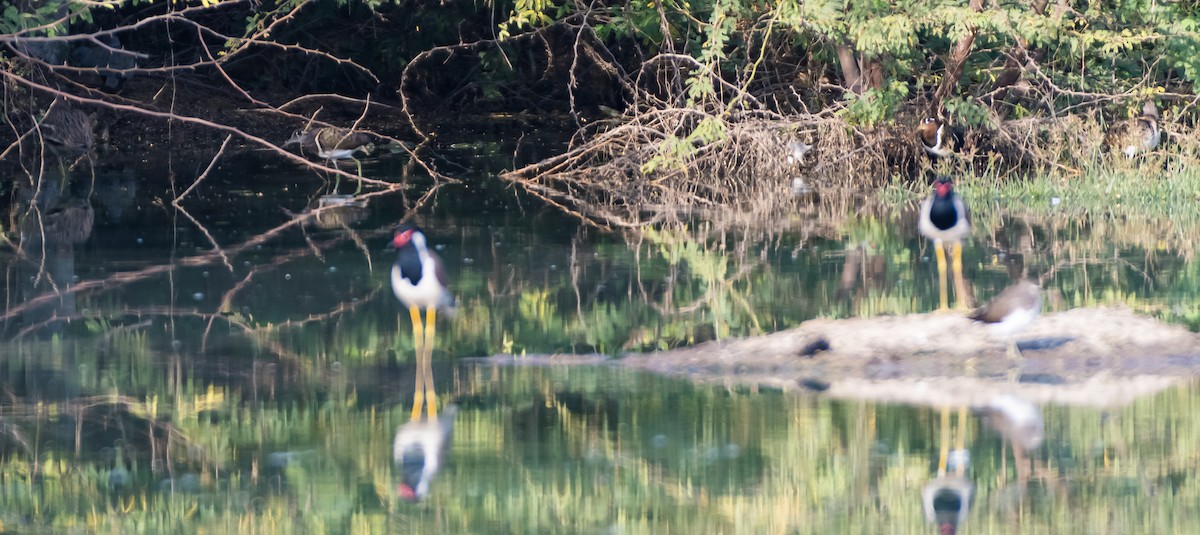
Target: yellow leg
943,298
419,343
430,328
944,441
960,284
960,442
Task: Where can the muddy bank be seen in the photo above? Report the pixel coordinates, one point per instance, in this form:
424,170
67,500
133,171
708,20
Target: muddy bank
1095,356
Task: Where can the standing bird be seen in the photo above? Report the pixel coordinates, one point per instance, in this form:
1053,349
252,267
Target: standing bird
1138,135
419,451
66,130
940,140
1011,312
419,282
331,143
945,219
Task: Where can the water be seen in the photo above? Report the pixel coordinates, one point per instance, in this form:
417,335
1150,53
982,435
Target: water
259,387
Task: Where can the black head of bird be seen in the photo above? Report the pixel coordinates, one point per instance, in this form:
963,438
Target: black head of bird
938,139
418,276
1138,135
419,451
66,129
944,215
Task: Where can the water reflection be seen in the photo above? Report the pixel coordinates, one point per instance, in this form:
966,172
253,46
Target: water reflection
420,450
51,228
236,370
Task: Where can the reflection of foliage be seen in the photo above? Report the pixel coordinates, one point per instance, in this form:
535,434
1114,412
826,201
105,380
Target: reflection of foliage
563,450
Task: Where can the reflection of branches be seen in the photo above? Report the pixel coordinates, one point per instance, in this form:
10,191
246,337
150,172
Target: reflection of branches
119,279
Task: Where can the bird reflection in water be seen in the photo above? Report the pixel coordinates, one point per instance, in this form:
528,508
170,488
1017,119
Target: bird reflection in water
948,498
48,240
335,212
1020,423
419,452
419,282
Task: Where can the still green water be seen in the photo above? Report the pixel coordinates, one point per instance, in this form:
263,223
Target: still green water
258,388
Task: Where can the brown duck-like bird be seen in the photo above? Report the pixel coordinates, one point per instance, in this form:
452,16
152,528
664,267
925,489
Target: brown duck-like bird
1134,136
940,140
1011,312
67,130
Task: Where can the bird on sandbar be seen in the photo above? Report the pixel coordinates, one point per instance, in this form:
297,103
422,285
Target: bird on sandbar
419,451
331,144
939,139
419,283
1135,136
945,219
1011,312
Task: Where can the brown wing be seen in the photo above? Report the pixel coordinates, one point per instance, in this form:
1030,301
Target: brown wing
1118,136
1024,294
440,270
342,139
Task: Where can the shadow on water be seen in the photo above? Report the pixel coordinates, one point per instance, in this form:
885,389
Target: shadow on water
151,379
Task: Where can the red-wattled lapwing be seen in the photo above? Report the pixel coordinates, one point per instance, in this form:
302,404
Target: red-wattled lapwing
419,451
1137,135
939,139
419,282
1011,312
947,499
945,219
331,143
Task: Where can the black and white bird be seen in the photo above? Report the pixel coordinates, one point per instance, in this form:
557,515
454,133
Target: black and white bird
1135,136
1010,312
939,139
945,219
419,451
419,283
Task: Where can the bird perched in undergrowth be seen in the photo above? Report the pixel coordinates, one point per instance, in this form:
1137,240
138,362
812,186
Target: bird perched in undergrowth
1135,136
939,139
